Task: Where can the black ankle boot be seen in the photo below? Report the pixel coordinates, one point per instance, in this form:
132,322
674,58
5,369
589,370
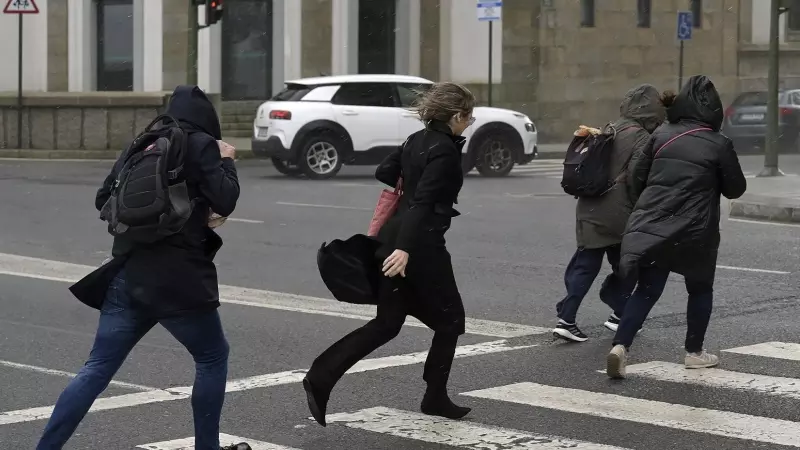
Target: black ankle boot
437,403
317,401
239,446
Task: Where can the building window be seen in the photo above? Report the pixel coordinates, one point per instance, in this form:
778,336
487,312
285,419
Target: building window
587,13
247,50
643,13
376,36
696,7
114,45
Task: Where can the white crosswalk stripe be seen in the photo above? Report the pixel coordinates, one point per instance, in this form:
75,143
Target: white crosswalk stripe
548,168
224,439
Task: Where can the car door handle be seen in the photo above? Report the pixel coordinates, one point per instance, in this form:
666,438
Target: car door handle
349,112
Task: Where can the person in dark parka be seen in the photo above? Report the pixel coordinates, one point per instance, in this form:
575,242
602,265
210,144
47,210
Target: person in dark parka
678,179
600,221
418,276
172,282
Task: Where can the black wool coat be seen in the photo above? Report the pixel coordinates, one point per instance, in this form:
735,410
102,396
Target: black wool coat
430,165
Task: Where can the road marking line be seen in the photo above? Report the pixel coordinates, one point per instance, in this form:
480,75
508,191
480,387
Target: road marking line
312,205
717,378
747,269
224,439
257,382
761,222
778,350
454,433
676,416
61,373
24,266
235,219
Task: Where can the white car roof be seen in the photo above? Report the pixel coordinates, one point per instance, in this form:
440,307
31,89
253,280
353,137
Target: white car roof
365,78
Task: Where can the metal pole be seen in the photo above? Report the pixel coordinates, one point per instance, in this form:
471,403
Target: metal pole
191,61
680,67
490,62
19,82
771,150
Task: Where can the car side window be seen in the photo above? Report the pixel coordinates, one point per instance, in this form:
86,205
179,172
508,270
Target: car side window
365,94
407,95
795,98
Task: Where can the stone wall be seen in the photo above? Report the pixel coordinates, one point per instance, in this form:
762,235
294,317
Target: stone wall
754,64
430,26
584,72
57,46
57,124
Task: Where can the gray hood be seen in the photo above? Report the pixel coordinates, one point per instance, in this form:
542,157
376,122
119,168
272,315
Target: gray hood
643,104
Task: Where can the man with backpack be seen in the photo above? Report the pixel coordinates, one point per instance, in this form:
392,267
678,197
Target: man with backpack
157,201
596,172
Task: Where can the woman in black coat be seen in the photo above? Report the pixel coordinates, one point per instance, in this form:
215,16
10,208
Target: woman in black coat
678,180
418,276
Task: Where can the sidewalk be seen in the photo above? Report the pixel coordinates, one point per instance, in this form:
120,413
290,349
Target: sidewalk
775,199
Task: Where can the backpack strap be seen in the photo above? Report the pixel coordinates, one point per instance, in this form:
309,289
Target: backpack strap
681,135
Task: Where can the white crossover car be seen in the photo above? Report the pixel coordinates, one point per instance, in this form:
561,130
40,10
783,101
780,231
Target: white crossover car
315,125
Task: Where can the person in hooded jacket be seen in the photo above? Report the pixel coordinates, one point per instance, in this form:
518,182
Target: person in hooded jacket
416,270
678,179
600,221
172,282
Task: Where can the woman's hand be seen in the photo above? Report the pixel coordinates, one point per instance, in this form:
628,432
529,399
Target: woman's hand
395,264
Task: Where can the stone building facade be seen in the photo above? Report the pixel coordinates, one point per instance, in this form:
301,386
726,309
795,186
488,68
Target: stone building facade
562,62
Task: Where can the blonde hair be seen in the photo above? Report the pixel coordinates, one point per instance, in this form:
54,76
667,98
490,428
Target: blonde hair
442,101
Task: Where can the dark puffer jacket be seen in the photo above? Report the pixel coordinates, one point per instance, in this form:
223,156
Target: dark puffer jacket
675,222
601,220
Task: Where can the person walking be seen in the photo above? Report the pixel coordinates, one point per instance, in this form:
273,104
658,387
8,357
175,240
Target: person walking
417,272
678,178
172,282
600,221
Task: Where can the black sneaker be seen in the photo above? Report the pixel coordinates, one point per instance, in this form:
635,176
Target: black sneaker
239,446
570,332
613,323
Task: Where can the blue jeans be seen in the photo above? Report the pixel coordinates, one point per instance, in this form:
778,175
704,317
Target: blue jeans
118,331
651,285
581,272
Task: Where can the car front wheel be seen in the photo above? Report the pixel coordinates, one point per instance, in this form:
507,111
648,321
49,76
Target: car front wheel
494,156
321,156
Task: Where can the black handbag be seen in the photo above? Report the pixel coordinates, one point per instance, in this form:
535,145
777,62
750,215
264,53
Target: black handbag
350,269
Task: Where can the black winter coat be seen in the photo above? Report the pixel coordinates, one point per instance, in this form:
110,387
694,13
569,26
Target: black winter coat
675,222
177,275
430,164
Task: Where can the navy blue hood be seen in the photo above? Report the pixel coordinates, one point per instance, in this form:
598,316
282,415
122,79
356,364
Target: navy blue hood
190,106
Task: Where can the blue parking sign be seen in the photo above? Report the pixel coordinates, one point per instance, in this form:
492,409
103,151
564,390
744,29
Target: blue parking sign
684,31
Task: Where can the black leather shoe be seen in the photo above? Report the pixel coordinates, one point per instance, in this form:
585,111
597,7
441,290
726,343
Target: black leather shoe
438,403
317,402
239,446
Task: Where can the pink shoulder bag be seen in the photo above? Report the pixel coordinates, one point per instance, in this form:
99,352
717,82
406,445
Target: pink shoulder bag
386,207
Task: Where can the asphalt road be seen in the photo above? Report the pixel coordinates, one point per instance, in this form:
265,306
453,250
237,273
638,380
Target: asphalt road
510,248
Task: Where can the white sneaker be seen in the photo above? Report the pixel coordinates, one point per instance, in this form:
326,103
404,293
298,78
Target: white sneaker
615,362
700,360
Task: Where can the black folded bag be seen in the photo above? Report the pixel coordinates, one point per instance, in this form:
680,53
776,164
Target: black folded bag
350,269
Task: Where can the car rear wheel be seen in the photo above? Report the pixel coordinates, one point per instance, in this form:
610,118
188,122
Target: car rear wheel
495,157
286,168
321,157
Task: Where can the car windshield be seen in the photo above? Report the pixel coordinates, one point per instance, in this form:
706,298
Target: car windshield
756,99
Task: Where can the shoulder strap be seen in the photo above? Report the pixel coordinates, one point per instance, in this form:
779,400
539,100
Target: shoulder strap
681,135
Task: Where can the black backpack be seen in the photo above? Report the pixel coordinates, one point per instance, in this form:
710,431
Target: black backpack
150,198
587,165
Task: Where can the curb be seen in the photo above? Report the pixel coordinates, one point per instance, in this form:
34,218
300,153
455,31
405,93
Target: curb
763,207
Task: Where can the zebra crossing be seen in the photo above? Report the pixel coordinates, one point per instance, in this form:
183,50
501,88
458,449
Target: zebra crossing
544,168
733,420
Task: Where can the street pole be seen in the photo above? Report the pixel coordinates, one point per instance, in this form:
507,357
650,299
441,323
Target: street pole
19,82
191,61
490,62
680,67
771,148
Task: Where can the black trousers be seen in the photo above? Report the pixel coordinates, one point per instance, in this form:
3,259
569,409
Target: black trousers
581,272
332,364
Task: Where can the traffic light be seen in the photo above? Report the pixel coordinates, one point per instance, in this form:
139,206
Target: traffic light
213,11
